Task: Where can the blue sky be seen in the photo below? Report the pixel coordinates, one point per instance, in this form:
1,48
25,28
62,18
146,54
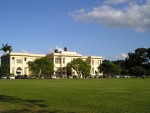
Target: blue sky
108,28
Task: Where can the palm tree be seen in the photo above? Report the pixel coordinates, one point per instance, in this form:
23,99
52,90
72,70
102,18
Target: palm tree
6,48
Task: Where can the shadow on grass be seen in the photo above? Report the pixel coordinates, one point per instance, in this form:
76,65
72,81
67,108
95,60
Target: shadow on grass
26,104
29,111
11,99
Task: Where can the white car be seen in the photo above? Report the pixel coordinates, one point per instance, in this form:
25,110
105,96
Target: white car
117,76
4,77
11,77
53,77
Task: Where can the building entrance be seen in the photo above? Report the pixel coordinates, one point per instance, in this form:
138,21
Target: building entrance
19,71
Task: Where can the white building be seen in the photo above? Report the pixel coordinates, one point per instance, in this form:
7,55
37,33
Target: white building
18,62
61,58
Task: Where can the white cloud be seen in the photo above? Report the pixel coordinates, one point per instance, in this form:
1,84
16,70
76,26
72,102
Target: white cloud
59,48
51,50
115,2
133,16
122,56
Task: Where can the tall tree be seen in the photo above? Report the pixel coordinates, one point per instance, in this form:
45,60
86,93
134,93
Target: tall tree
141,57
81,67
137,71
109,68
6,48
41,67
5,70
122,64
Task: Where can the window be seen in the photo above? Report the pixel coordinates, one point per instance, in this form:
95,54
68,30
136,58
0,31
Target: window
13,58
19,71
19,60
63,60
100,61
92,62
25,59
97,62
93,70
58,60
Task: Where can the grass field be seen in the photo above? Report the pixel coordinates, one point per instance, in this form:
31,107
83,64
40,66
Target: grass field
75,96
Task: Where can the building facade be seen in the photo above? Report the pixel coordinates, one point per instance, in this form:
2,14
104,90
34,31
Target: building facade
61,58
18,62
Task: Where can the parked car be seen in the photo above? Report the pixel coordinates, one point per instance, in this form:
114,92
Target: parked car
31,77
19,77
3,77
127,76
53,77
11,77
117,76
47,77
25,76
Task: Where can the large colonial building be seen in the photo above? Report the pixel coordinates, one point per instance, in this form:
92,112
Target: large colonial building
18,62
61,58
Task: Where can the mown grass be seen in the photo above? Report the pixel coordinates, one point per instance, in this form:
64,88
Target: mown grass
75,96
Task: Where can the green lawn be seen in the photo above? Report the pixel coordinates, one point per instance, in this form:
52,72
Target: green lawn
75,96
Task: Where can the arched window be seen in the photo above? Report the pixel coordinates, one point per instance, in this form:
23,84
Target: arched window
19,71
19,68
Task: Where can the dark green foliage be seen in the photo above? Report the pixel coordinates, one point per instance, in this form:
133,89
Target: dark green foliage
6,48
137,71
69,70
5,70
109,68
41,67
80,66
122,64
136,64
140,58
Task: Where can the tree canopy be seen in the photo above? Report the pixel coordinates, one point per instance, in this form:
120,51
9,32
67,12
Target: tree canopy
6,48
122,65
81,67
109,68
140,58
137,63
137,71
4,70
41,67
